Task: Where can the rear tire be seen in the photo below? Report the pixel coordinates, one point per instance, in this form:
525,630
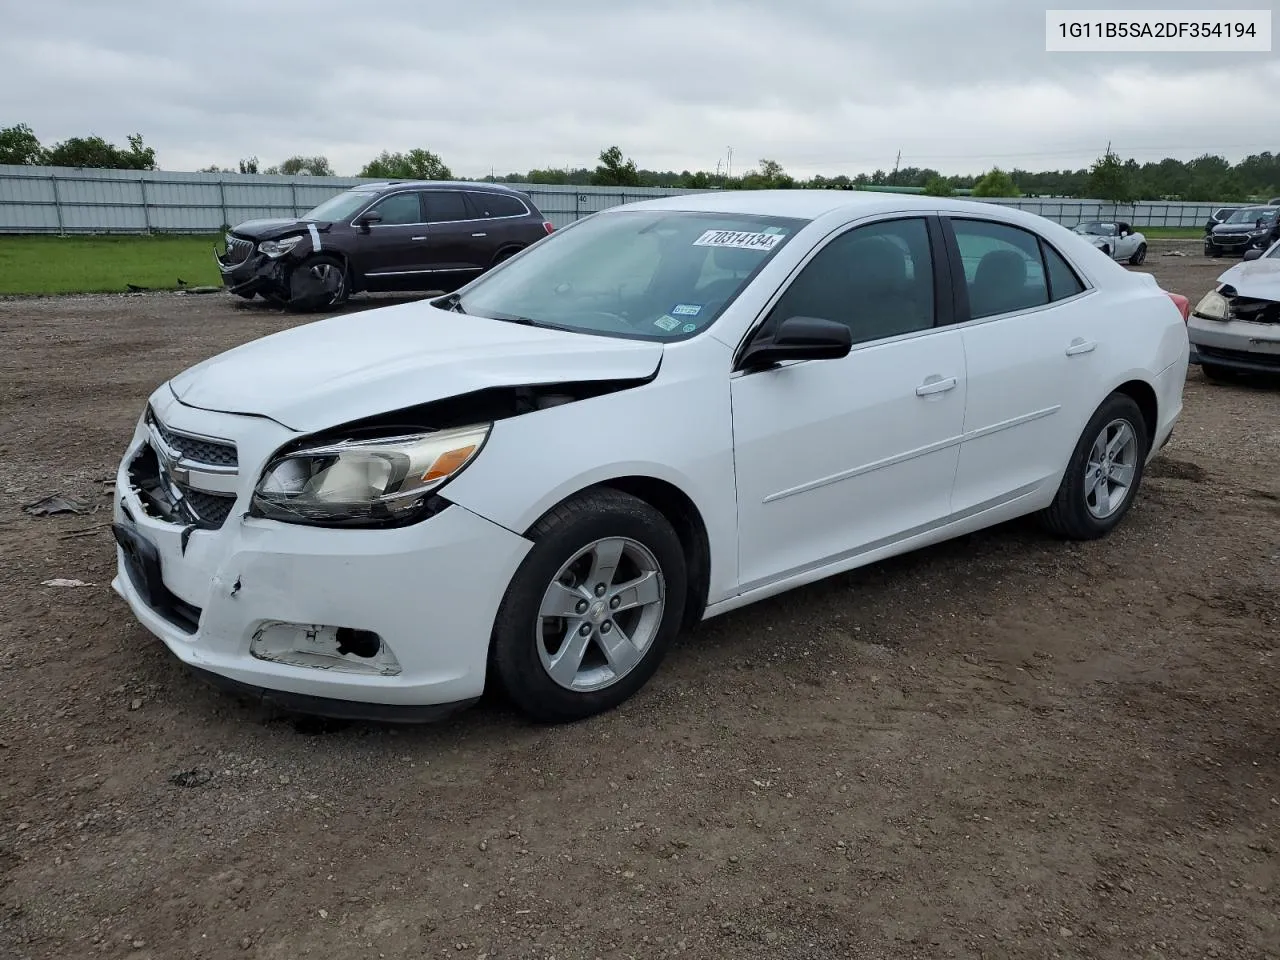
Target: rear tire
319,283
1139,256
591,610
505,255
1104,473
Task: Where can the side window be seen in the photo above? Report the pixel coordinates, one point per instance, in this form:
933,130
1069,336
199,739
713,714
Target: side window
445,206
1063,281
490,205
399,208
877,279
1002,267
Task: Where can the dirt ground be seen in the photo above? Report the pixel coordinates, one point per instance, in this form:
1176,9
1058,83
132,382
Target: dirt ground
1000,747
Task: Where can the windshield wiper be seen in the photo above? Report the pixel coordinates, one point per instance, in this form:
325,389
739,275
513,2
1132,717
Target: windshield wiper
513,318
452,302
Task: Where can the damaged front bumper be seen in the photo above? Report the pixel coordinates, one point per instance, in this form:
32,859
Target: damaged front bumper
255,274
1239,345
360,624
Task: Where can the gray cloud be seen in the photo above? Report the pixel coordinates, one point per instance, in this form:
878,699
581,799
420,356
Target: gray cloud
819,85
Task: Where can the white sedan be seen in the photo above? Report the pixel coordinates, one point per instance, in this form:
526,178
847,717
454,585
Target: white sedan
1119,241
666,411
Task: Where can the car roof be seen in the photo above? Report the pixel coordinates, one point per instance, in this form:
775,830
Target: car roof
437,185
812,204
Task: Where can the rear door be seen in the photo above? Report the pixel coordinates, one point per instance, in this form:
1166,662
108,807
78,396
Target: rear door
456,241
1036,350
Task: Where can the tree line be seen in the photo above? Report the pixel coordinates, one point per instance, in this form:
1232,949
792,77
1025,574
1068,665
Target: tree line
1206,178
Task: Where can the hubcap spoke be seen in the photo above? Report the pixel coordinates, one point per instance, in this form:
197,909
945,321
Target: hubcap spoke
1122,475
564,666
604,561
561,601
1124,434
618,650
1099,452
637,593
1102,493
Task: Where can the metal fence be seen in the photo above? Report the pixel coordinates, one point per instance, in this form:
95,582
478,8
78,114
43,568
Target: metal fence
69,200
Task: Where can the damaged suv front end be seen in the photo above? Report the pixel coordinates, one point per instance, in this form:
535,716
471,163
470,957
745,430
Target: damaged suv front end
264,257
1235,328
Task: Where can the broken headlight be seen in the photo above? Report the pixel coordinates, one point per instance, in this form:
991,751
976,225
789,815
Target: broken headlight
1214,306
364,482
278,248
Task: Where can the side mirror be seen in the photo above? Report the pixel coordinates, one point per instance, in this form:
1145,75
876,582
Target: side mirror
800,338
368,219
1254,254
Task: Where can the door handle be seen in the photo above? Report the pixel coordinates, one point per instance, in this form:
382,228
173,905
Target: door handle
1079,345
417,238
935,384
479,234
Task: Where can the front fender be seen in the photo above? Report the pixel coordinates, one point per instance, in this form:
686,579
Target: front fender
676,429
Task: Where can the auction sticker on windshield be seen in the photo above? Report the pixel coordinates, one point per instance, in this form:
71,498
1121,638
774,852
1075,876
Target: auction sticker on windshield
740,239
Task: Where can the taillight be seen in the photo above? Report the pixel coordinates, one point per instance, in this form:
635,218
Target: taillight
547,226
1183,305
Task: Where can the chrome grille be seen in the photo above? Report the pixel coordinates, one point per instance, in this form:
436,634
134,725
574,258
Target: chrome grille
198,449
237,250
171,478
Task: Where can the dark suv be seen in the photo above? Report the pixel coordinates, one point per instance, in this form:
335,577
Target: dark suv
1244,230
398,235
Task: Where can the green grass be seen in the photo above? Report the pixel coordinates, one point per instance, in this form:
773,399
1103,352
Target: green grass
1172,233
49,265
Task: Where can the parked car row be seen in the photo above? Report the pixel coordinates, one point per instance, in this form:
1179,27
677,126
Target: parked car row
1242,229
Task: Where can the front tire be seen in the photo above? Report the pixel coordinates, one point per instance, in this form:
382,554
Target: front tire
1139,256
1104,473
1213,251
592,609
319,283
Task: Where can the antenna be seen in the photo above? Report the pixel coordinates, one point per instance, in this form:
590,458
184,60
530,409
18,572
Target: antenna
894,178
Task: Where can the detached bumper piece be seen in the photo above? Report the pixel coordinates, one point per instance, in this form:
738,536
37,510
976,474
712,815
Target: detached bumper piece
142,566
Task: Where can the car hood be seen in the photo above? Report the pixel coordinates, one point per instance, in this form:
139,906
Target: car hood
1235,228
274,229
345,368
1258,279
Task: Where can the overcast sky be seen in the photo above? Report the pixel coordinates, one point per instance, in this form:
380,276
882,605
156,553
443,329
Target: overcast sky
822,86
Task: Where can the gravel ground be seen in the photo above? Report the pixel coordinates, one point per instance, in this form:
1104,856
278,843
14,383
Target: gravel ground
1000,747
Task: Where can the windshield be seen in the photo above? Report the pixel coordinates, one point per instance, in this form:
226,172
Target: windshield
340,207
645,275
1252,214
1095,228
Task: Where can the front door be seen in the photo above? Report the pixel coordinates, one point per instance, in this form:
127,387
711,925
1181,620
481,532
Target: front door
391,254
838,457
458,244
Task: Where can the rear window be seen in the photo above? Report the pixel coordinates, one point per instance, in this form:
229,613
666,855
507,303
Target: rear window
491,205
645,275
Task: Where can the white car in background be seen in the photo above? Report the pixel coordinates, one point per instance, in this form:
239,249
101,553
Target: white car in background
1235,328
664,412
1116,239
